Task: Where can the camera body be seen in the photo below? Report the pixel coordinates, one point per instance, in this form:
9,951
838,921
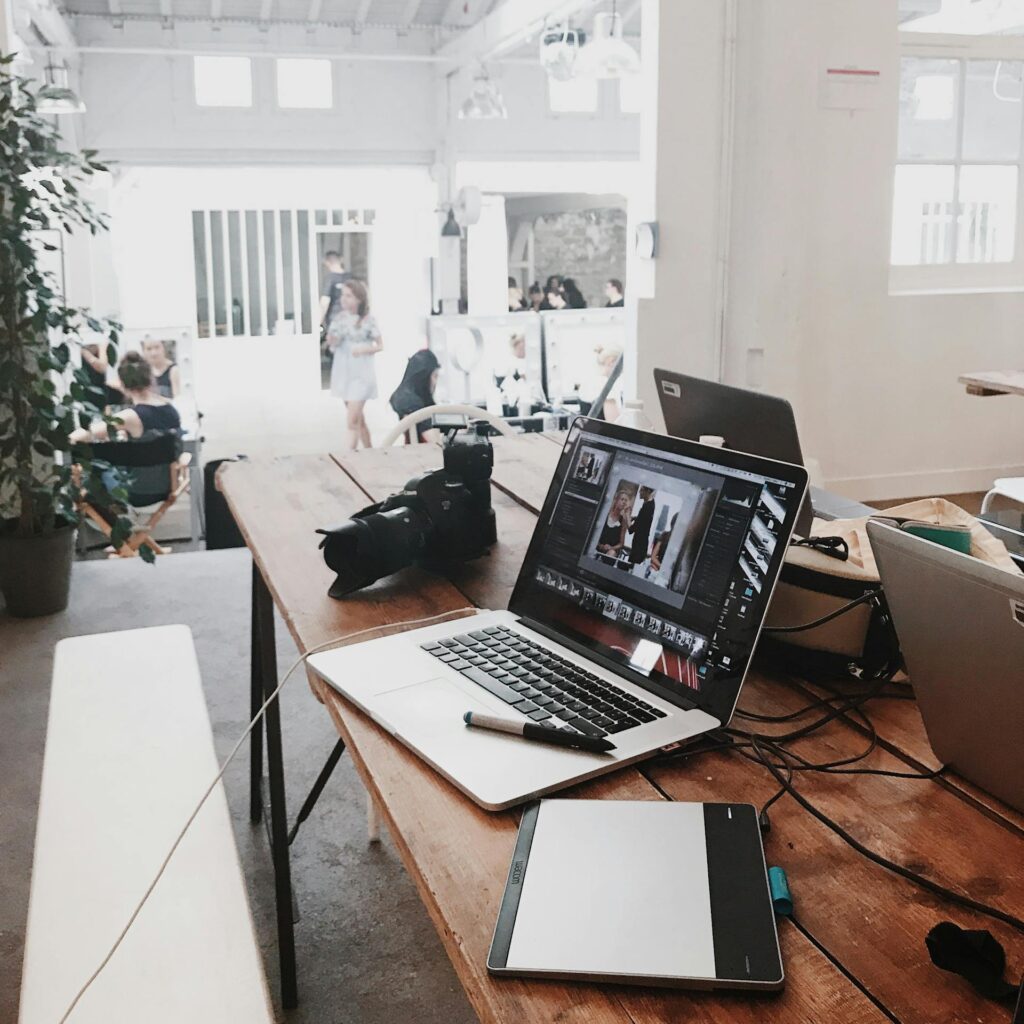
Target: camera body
439,517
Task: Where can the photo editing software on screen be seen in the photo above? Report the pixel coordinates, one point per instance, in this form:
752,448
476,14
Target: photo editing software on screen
660,561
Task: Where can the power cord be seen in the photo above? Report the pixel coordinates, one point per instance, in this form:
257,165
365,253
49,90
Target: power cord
871,595
336,642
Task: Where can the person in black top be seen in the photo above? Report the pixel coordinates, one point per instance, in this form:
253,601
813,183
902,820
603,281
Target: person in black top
330,291
613,293
150,414
613,532
573,296
536,297
553,286
166,375
641,525
417,390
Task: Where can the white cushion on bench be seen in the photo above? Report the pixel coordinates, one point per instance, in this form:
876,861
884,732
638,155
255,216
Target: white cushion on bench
129,751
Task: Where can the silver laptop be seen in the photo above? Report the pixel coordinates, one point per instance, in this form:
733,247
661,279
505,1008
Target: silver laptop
961,627
634,618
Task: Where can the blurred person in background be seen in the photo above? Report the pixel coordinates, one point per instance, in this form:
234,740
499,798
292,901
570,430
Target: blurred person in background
416,391
516,302
553,286
614,294
335,276
354,338
536,297
572,295
166,375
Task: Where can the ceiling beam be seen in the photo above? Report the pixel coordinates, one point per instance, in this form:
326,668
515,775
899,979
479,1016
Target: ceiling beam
412,8
313,14
266,6
362,14
215,9
462,13
507,27
167,11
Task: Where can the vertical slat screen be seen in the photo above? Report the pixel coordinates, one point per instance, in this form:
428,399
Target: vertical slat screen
254,268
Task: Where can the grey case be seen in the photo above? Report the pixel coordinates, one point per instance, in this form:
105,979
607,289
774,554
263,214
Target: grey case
961,627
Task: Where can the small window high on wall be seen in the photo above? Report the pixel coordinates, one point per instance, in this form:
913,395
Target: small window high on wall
222,81
304,84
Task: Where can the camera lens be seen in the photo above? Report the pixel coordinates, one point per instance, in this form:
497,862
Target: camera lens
363,550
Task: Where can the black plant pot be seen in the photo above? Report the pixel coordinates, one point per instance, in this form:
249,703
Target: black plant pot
35,572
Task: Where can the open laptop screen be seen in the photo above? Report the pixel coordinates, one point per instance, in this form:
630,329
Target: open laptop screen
657,557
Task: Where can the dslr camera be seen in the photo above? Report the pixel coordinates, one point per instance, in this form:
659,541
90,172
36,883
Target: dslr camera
442,516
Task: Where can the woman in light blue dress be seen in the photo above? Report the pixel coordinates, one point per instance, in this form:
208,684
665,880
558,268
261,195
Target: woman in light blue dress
354,338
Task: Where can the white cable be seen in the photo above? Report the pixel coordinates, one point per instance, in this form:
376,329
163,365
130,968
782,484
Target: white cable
241,739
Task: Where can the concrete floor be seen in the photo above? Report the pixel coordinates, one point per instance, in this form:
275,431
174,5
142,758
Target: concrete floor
366,948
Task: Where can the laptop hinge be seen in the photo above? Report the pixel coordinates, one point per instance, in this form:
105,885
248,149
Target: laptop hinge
681,701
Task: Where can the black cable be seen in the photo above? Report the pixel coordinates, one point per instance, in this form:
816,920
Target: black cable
898,869
863,599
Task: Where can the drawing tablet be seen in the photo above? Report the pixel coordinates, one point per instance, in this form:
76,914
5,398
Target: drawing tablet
644,892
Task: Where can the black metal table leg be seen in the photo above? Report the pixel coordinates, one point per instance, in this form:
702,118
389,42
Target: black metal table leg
267,667
255,702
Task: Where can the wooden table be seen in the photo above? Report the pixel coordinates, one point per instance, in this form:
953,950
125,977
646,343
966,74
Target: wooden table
994,382
855,951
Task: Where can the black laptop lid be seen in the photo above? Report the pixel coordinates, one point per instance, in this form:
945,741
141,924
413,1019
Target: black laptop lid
656,557
749,421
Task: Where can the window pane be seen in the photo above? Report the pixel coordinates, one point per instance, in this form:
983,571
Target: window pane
630,94
987,224
928,107
962,17
922,215
992,109
223,81
303,83
576,96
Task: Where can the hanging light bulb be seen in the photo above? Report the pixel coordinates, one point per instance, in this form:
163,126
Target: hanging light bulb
485,102
57,96
608,55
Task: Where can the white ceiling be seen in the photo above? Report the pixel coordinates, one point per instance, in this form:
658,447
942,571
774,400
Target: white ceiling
410,15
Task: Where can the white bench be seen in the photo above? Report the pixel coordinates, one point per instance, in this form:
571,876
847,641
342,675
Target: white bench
129,751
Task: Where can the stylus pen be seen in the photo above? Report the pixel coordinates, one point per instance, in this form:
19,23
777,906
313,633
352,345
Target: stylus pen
542,733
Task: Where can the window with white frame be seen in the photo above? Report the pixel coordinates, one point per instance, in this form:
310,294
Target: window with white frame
955,200
304,84
222,81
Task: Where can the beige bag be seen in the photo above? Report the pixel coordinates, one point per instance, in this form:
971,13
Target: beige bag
861,642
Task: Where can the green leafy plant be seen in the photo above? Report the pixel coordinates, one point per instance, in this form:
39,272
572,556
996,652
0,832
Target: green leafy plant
41,190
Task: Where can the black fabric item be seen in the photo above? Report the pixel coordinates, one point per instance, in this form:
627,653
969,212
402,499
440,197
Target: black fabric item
414,393
974,955
221,529
162,383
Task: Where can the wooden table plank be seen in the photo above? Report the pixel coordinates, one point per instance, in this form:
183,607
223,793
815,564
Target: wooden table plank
449,846
868,919
993,382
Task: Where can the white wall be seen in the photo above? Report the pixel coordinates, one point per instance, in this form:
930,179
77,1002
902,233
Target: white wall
872,376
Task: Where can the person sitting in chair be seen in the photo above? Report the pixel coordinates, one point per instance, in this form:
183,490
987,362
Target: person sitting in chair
150,415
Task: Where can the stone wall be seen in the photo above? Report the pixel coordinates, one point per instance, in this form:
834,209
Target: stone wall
586,245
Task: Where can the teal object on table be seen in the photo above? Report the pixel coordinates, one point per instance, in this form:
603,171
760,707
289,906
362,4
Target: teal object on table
782,901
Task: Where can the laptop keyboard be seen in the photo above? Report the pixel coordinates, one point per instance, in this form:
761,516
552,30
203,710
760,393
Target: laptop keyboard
539,684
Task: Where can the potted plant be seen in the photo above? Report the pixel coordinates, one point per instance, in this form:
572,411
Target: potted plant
43,394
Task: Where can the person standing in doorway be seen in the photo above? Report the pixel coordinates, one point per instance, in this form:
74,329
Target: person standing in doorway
354,338
614,294
335,275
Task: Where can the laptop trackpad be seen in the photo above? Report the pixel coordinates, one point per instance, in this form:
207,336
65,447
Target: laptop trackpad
428,716
433,706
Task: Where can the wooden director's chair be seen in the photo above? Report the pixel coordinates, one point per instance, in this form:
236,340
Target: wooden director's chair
159,451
